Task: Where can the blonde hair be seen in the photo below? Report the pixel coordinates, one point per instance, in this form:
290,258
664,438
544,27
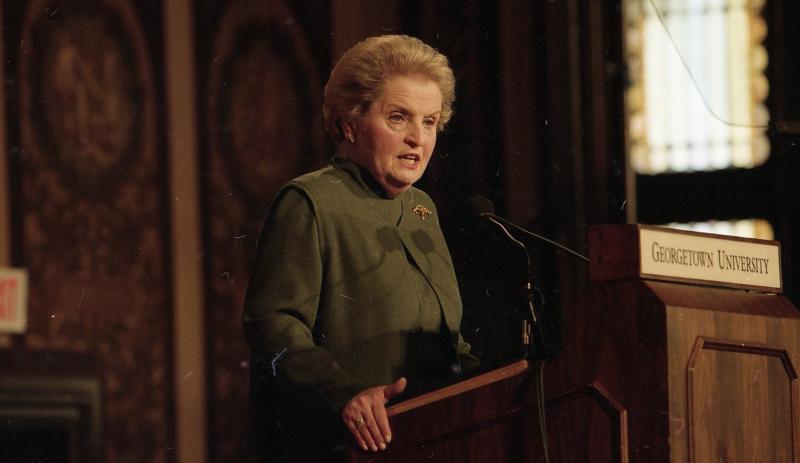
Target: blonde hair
357,79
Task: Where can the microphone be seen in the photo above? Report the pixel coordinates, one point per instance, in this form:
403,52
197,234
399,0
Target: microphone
479,207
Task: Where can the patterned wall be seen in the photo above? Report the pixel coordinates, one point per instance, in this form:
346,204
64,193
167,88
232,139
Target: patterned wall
261,126
89,218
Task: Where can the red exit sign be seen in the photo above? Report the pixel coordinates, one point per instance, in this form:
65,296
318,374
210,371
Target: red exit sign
13,300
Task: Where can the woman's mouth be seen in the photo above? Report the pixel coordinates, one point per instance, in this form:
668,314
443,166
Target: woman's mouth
410,161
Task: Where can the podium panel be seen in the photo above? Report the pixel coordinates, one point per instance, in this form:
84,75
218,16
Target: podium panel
721,373
703,374
732,376
591,416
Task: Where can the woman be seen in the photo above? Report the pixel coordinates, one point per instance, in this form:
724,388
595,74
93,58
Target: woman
353,300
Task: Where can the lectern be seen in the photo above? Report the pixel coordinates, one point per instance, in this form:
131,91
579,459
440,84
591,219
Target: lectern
682,349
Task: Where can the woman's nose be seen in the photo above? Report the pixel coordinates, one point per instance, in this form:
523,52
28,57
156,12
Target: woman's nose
414,134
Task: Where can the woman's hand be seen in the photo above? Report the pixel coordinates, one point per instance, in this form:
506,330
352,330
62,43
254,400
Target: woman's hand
365,415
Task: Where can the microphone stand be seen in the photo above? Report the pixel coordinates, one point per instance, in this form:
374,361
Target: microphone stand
531,320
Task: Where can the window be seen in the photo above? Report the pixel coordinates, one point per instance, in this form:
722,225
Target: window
696,98
753,228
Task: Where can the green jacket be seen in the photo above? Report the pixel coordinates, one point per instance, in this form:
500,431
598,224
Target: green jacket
345,286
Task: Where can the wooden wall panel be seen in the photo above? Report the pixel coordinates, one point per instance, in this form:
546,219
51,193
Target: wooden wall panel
261,125
89,212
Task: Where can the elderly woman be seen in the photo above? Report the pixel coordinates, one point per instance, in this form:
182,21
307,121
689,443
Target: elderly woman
353,300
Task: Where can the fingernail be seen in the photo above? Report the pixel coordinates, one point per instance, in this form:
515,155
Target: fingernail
388,438
374,449
383,446
364,447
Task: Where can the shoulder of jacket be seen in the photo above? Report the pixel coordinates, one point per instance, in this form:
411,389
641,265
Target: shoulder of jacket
317,182
311,178
322,187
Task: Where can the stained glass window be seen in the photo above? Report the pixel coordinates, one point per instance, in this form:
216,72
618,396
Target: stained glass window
697,92
696,100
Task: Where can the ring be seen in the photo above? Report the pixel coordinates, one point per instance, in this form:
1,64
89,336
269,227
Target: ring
360,421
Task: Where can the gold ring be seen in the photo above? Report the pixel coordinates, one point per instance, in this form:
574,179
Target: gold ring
360,421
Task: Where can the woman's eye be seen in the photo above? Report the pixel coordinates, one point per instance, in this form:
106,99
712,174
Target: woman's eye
429,122
396,117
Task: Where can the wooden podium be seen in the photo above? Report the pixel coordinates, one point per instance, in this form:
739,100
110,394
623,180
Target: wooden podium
663,361
693,361
488,418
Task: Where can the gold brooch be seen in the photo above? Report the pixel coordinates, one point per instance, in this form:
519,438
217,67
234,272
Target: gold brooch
421,211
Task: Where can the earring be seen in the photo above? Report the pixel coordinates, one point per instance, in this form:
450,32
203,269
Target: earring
351,138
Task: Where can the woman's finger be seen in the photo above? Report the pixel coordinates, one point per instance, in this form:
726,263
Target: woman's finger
374,432
365,415
364,429
354,421
354,430
382,421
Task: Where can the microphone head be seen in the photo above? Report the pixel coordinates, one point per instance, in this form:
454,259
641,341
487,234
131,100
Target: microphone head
478,206
467,216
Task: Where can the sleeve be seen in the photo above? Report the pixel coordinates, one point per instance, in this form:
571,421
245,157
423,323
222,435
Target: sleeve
281,308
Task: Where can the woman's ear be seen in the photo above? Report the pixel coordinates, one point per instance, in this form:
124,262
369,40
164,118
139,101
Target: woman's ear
349,132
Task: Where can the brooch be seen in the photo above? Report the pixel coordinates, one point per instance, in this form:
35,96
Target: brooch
421,211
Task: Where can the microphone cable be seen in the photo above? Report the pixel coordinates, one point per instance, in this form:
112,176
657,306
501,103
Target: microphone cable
538,365
492,215
541,406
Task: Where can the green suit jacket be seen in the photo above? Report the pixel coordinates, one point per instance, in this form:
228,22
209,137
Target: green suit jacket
345,284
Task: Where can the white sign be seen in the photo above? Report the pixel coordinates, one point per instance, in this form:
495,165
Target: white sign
695,256
13,300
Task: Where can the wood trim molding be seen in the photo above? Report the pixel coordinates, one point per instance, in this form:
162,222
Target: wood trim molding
743,347
597,393
461,387
5,182
5,199
189,322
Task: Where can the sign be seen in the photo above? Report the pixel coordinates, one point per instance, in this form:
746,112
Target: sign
702,257
13,300
625,252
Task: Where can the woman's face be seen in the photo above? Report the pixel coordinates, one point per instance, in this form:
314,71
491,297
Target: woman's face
394,140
